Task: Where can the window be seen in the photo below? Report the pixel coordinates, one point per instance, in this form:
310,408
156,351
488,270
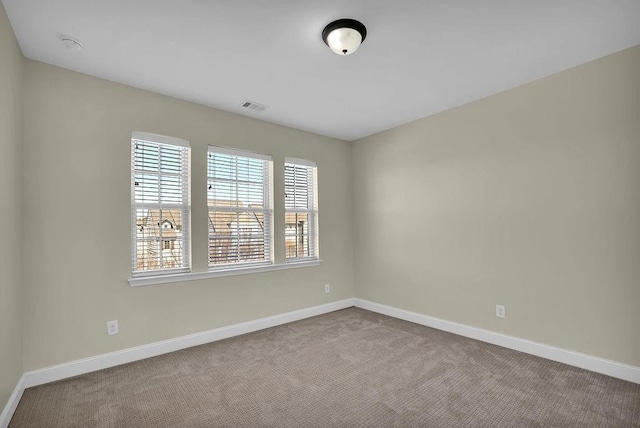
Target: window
160,206
240,214
301,210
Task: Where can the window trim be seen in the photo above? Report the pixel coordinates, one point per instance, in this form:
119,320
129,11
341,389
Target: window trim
160,139
186,207
193,276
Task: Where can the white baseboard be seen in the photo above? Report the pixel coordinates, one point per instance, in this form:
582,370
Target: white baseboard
12,404
99,362
572,358
86,365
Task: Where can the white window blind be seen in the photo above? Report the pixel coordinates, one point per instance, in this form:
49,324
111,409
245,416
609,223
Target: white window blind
301,210
239,197
160,205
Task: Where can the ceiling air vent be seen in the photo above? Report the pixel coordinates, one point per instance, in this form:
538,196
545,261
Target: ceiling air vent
254,106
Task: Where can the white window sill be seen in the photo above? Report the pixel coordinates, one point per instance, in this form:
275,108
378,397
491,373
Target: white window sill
190,276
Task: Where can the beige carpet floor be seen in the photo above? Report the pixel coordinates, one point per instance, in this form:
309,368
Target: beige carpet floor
350,368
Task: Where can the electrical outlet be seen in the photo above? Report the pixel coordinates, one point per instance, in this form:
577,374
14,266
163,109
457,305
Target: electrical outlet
327,288
112,327
501,312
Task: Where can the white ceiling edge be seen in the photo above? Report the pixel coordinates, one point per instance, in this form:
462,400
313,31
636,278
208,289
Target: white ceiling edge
446,55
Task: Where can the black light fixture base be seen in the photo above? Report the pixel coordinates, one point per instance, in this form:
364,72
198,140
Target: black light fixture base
344,23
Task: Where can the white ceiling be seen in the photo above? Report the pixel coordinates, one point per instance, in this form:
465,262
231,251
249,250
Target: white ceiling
420,56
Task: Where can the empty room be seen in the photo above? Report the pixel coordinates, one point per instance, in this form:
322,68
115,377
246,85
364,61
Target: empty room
320,214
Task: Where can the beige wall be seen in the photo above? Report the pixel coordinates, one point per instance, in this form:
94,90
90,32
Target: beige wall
77,219
529,198
11,63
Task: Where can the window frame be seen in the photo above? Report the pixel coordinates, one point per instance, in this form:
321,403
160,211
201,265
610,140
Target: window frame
266,211
311,210
184,206
185,273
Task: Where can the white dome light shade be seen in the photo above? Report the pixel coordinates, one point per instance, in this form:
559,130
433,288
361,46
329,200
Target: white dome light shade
344,41
344,36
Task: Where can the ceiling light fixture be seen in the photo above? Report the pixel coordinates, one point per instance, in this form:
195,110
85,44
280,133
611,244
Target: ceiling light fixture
344,36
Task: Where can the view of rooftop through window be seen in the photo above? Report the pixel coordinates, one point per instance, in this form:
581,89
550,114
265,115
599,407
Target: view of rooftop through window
160,199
